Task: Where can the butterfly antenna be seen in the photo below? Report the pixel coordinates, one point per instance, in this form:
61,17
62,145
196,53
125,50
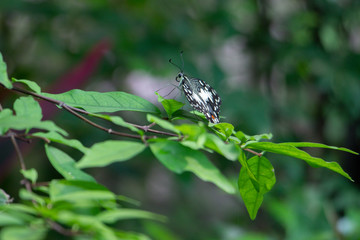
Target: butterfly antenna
182,59
170,61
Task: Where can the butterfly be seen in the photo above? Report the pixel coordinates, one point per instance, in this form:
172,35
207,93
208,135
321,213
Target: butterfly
200,95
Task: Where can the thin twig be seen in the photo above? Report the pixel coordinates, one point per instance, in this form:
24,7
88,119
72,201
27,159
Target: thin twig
25,181
60,229
253,152
74,110
108,130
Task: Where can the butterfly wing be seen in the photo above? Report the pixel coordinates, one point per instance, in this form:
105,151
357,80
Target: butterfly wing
202,97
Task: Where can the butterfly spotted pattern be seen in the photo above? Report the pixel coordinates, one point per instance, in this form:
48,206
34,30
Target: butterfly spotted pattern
201,96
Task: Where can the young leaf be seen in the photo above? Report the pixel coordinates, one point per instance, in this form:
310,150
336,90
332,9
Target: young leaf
56,137
289,150
105,153
96,102
4,79
225,129
28,108
179,158
72,191
113,215
170,105
162,123
264,172
65,165
31,84
30,174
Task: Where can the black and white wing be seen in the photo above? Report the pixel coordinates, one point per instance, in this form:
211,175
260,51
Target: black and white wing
202,97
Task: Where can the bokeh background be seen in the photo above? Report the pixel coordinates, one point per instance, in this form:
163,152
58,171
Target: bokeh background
290,67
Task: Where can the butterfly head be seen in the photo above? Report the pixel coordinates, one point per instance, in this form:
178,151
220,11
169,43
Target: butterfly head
180,77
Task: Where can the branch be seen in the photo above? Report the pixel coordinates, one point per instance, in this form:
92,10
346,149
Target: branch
253,152
25,181
75,111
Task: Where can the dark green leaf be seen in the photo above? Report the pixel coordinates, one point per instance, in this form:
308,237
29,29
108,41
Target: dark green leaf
179,158
4,79
96,102
114,215
31,84
65,165
289,150
105,153
264,172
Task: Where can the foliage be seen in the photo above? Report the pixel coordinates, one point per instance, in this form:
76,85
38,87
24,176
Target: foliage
80,207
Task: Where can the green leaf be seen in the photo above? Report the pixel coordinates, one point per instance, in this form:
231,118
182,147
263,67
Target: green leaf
245,166
118,121
192,131
289,150
15,214
162,123
65,165
26,195
87,224
114,215
264,172
21,123
4,198
244,137
56,137
4,114
96,102
4,79
28,108
226,129
30,174
104,153
179,158
170,105
24,232
28,116
320,145
30,84
229,150
72,191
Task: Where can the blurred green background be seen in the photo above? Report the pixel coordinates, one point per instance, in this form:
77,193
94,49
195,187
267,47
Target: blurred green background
287,67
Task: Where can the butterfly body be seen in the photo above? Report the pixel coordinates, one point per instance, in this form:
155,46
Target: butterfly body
201,96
